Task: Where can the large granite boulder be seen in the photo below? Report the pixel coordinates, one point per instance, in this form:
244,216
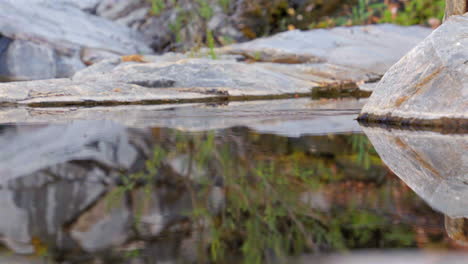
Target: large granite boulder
44,39
429,85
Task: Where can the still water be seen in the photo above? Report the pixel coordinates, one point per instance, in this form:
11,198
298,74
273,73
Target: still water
100,192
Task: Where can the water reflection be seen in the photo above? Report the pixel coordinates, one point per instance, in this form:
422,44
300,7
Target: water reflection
97,192
435,166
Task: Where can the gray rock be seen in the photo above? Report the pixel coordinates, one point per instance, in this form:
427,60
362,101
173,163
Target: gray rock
182,77
115,9
205,76
90,56
85,5
134,18
25,60
432,164
371,49
66,66
50,23
431,81
191,79
48,36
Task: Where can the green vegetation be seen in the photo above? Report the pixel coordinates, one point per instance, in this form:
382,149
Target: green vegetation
202,15
416,12
423,12
264,210
211,44
205,9
176,27
225,4
157,6
265,17
363,10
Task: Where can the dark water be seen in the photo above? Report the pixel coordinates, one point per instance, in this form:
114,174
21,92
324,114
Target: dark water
97,192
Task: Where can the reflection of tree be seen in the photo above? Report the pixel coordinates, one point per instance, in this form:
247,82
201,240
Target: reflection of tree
269,187
236,194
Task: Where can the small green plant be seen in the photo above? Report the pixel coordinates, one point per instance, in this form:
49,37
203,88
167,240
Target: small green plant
205,9
416,12
225,4
364,10
211,44
176,27
157,6
374,11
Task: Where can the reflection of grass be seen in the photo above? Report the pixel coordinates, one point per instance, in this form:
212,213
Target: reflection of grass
266,206
362,147
225,4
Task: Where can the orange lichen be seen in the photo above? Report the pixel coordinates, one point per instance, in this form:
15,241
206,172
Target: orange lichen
134,58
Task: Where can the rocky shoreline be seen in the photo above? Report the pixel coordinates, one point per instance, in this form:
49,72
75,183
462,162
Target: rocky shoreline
95,61
336,58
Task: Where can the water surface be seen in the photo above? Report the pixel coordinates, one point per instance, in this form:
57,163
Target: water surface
101,192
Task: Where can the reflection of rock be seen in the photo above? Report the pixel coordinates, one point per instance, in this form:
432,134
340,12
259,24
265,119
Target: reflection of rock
430,82
289,117
52,174
432,164
387,257
41,211
457,229
164,210
107,224
38,147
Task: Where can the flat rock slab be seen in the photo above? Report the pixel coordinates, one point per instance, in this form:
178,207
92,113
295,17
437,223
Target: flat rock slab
217,77
66,92
432,164
370,50
429,83
287,117
116,82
